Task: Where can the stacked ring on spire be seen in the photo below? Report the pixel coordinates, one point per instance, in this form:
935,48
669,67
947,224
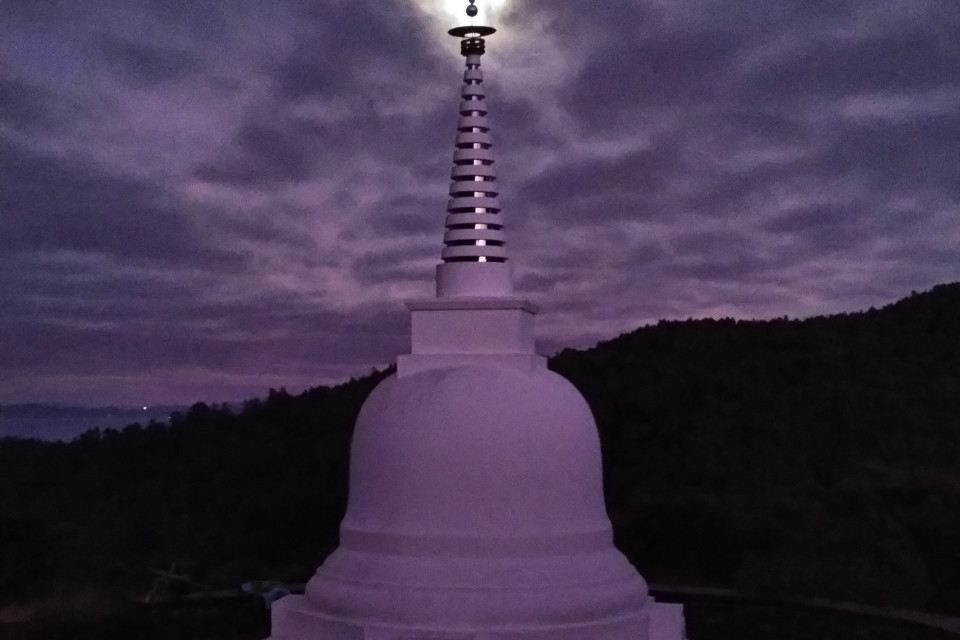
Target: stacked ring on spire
474,231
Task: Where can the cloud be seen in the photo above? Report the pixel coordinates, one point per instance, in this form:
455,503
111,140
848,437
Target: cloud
264,152
592,190
219,197
145,64
22,104
55,204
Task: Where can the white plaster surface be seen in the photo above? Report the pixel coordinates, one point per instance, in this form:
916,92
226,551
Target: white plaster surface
474,279
475,511
487,326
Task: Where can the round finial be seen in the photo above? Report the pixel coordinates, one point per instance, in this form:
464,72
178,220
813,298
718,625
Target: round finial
472,11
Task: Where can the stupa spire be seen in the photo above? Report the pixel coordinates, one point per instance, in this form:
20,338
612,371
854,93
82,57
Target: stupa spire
474,255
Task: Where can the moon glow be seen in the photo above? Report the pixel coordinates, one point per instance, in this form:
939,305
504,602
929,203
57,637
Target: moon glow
455,11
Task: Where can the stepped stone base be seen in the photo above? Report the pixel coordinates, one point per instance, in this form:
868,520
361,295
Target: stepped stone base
294,618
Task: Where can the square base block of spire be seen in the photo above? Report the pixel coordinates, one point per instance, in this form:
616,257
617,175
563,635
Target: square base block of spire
485,326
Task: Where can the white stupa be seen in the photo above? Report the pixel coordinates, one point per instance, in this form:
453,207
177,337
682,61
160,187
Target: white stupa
476,506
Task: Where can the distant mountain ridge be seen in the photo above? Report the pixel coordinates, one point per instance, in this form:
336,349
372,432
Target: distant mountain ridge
40,410
60,422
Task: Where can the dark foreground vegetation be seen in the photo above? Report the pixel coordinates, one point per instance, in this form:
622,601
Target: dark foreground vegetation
706,620
816,457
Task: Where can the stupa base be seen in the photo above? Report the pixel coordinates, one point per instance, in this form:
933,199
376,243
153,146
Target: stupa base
295,618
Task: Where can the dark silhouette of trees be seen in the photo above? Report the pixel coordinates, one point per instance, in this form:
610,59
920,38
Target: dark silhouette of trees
811,457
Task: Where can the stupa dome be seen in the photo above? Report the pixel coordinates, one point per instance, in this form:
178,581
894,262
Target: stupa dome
476,451
476,500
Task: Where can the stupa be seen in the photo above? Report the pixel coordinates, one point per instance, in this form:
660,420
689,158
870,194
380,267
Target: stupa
476,507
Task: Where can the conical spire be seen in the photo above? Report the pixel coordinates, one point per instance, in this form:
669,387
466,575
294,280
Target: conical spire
474,230
474,256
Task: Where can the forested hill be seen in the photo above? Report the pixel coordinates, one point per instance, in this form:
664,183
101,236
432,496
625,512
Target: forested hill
817,456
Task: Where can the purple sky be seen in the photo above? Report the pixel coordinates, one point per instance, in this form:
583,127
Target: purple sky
202,199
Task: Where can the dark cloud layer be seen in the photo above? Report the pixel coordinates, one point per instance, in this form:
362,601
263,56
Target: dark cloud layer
264,151
203,200
345,44
51,204
21,103
146,65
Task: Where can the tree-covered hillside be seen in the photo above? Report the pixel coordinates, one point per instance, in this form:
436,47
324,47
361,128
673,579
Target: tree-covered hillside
819,457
